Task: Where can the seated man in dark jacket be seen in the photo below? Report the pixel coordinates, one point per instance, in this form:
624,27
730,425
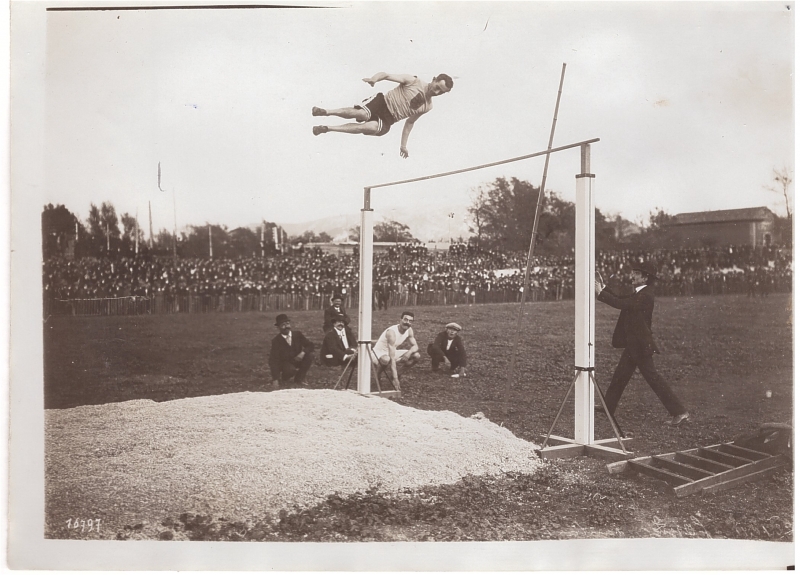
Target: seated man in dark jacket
291,354
448,345
339,344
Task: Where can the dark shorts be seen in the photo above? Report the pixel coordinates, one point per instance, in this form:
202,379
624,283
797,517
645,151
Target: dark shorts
376,106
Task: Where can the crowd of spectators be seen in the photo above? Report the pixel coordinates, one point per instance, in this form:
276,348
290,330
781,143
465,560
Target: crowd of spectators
411,268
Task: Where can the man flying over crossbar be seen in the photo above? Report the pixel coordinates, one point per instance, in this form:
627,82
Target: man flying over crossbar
375,115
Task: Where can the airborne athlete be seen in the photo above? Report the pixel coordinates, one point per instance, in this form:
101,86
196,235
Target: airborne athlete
375,115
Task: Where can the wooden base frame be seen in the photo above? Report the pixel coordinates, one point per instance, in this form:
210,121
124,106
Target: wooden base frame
351,367
602,448
566,447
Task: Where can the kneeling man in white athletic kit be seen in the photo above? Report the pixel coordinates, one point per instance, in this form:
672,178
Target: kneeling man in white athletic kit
392,338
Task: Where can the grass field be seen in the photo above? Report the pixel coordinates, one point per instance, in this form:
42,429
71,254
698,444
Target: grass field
721,355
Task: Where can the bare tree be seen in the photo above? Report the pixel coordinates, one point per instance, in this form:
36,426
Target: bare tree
783,179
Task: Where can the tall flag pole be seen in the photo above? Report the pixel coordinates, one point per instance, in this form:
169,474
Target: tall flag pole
159,178
175,228
150,216
174,219
136,233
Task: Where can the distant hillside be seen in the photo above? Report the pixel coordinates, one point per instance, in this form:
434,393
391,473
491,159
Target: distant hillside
430,224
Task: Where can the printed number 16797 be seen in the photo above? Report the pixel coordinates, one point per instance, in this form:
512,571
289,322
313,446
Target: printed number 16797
84,524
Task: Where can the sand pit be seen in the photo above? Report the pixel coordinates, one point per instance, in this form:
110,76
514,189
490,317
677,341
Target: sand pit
241,456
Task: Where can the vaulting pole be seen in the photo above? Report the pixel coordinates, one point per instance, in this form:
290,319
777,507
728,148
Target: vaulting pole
525,288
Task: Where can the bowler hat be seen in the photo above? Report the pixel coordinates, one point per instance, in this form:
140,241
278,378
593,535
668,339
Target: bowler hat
453,325
281,319
647,268
337,317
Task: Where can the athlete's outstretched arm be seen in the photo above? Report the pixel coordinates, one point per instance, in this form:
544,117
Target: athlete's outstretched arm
399,78
407,127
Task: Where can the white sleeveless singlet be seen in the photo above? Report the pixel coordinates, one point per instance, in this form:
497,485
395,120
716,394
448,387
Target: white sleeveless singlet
382,346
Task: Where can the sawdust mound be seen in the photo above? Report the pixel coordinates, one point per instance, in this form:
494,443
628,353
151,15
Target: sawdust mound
244,455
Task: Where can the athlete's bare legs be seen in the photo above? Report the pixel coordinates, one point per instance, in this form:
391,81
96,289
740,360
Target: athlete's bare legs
352,113
360,115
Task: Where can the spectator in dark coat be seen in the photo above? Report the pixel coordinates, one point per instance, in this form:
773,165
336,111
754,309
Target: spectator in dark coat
291,354
449,346
339,344
336,308
633,334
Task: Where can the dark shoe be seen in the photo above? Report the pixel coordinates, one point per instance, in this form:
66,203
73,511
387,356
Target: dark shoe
318,112
319,130
678,419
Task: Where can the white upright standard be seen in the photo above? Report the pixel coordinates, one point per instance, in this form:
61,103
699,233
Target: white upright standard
584,301
365,297
584,382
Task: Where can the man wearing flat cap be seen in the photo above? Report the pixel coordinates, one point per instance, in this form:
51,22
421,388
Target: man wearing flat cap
291,354
633,334
449,346
339,345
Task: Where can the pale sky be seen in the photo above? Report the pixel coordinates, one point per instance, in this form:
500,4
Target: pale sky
692,103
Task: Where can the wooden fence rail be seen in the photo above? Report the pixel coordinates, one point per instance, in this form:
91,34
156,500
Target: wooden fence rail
170,304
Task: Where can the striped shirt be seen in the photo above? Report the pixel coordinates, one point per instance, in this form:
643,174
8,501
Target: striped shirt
408,100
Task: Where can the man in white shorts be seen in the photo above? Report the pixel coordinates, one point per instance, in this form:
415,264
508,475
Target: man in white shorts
393,337
374,116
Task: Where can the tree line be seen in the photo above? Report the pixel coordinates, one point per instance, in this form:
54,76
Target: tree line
104,233
501,217
502,214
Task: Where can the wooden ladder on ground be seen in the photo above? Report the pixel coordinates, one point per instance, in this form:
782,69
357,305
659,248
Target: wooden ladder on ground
705,469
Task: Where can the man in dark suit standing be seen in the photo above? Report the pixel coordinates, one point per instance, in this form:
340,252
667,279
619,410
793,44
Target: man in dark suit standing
290,354
634,336
339,344
336,308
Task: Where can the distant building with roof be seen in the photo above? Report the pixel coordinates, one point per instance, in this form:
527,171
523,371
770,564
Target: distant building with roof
745,226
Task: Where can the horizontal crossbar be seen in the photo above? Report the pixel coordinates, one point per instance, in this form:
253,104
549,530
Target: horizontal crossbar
443,174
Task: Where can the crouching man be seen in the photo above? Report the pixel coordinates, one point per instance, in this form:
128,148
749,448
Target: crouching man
339,345
386,348
291,354
449,347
